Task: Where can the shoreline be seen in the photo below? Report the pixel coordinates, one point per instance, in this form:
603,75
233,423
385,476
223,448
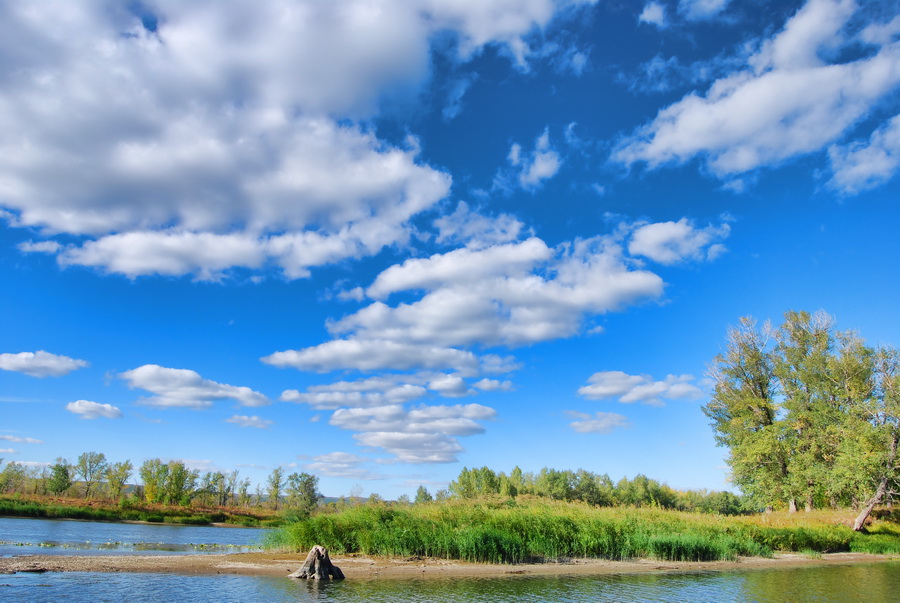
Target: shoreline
362,567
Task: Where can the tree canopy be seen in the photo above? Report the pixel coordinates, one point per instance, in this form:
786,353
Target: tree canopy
809,414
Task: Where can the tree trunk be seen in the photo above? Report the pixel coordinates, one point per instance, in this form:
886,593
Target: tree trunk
809,503
792,505
318,566
859,524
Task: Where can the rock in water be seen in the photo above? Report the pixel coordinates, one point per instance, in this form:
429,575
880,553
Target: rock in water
318,566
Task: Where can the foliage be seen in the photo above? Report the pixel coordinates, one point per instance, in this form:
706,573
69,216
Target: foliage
90,467
809,414
585,486
60,477
513,531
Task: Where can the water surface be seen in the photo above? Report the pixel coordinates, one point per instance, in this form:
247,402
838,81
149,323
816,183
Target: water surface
865,582
20,536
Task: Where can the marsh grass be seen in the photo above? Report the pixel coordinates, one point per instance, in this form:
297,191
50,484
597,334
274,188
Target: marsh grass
514,532
15,506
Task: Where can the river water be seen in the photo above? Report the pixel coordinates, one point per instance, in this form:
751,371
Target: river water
20,536
864,582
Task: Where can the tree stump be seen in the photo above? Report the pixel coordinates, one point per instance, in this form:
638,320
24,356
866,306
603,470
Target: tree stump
318,566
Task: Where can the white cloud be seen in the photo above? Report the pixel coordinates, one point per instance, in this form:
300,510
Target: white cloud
639,388
426,434
93,410
764,114
459,420
673,242
413,447
862,166
493,385
40,364
473,229
510,294
249,421
187,389
8,451
460,266
341,464
20,440
696,10
212,142
374,354
531,170
599,422
323,399
450,386
517,305
654,13
39,247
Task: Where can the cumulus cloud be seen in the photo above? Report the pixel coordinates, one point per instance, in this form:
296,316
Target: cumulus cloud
40,364
458,420
341,464
510,303
20,440
334,396
227,135
93,410
639,388
599,422
864,165
493,385
185,388
476,230
531,170
673,242
695,10
426,434
654,13
374,354
763,113
249,421
509,294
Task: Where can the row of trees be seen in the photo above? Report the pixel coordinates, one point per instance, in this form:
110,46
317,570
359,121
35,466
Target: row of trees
810,414
92,476
591,488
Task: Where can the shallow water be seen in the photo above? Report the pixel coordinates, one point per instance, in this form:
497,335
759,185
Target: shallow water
19,536
868,582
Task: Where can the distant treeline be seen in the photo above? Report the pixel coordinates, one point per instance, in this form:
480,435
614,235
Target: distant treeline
171,483
592,488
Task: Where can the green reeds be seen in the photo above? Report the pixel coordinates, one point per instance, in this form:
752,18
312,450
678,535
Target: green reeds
513,533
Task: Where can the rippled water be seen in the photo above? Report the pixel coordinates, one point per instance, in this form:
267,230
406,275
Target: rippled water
20,536
870,582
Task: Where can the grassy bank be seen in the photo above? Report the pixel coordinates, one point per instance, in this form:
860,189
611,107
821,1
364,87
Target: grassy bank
519,531
54,508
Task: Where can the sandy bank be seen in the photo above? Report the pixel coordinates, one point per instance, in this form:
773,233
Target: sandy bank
360,567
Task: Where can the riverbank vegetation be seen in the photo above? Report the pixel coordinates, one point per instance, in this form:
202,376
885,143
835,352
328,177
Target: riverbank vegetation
810,415
506,530
51,507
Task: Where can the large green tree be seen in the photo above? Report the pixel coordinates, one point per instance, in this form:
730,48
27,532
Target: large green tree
91,468
808,413
60,476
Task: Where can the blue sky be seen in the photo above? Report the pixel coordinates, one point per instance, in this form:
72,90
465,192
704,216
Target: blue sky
379,241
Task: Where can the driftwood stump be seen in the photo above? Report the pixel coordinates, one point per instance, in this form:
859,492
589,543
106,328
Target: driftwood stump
318,566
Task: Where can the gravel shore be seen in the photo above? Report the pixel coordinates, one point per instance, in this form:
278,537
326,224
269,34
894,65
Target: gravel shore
360,567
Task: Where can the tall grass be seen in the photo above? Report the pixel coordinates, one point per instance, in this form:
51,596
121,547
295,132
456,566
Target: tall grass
513,532
23,507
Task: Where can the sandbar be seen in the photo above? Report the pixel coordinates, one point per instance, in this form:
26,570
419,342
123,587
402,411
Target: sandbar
363,567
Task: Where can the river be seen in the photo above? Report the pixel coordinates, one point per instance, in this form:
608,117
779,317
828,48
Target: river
863,582
20,536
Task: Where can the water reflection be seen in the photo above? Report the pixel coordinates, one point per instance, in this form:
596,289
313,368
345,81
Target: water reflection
877,582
